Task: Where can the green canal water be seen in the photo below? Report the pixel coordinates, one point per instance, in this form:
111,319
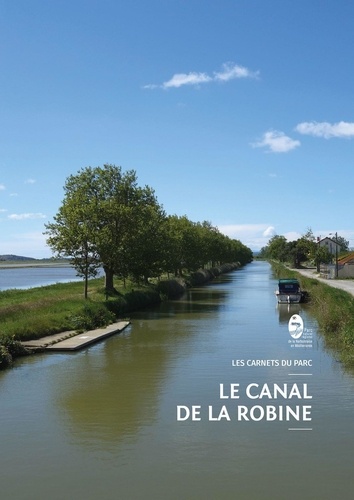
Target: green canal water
102,423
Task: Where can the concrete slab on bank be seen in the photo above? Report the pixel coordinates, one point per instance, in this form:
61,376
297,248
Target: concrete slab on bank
73,341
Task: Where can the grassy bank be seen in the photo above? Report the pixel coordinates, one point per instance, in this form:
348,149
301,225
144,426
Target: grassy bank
46,310
37,312
33,313
334,312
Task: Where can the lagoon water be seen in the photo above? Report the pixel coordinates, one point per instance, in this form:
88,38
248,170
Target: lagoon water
102,423
32,276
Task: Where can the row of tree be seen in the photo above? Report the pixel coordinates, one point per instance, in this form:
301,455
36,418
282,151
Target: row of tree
107,220
301,250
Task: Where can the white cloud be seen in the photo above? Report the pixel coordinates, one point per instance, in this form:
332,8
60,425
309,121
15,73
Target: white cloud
269,232
2,187
276,142
3,210
26,216
326,130
292,235
255,236
186,79
30,181
230,71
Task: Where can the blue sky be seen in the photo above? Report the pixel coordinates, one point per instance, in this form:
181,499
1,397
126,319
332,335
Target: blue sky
240,112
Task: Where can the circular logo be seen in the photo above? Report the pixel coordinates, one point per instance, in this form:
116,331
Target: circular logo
296,326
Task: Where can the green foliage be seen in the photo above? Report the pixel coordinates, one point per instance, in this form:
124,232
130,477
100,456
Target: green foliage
344,244
322,256
301,250
294,252
93,315
5,357
34,313
277,248
37,312
169,289
14,347
107,220
190,246
133,300
10,349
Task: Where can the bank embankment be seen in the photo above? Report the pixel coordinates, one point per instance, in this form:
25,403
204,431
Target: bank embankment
173,288
48,310
333,309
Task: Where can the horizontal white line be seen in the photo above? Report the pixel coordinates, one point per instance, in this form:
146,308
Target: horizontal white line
299,429
301,374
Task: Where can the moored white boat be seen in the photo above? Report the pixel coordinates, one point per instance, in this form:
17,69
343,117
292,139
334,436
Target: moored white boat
289,291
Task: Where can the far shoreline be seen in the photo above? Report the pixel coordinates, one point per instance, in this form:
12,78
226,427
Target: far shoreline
8,264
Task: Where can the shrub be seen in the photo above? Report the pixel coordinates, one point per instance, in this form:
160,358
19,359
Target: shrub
9,349
14,347
93,315
5,357
171,288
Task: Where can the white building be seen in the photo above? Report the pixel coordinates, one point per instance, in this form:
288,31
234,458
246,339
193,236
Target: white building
330,244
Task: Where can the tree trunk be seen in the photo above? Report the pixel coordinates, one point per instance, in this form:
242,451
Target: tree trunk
86,286
86,274
108,279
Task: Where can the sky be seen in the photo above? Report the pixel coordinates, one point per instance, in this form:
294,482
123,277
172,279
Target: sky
238,112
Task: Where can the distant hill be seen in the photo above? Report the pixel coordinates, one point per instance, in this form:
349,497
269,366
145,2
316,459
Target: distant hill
15,257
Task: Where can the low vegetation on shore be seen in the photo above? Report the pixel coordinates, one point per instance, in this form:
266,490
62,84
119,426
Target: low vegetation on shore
333,310
37,312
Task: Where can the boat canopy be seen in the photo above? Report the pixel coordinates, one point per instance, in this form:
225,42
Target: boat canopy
289,285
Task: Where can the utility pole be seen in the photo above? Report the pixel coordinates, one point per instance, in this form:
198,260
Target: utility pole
336,255
336,272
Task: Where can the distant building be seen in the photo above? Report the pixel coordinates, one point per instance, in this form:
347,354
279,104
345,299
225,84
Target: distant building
345,268
330,244
348,259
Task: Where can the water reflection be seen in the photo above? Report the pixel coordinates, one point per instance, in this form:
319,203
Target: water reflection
109,412
115,390
285,311
116,386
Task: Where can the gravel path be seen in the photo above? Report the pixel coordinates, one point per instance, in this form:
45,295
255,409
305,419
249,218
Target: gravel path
346,285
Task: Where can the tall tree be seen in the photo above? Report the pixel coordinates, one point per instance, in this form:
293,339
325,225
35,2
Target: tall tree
344,244
145,243
277,248
101,209
70,235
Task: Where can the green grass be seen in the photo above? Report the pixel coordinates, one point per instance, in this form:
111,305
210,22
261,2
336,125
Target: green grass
36,312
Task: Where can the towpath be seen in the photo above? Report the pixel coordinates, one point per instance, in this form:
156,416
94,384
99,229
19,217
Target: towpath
346,285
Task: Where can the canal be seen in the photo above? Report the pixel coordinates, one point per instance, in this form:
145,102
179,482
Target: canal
111,421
